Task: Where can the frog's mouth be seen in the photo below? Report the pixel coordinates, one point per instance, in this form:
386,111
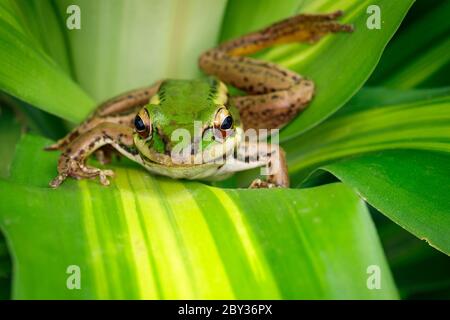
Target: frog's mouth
214,153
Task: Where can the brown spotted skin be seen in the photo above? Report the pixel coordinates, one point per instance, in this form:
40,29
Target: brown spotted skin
273,110
120,110
276,95
308,28
276,166
72,162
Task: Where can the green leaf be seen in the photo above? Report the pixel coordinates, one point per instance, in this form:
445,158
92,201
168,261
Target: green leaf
375,97
421,124
422,68
409,186
400,122
10,130
29,73
40,19
136,62
146,237
420,271
134,43
418,54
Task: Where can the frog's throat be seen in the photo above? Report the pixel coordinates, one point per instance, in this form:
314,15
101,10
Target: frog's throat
213,153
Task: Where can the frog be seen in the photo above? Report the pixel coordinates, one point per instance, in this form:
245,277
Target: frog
144,124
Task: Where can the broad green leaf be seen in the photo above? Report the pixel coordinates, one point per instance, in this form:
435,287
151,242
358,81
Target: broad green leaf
423,67
422,124
129,44
147,237
339,64
418,54
117,58
420,271
409,186
376,97
417,120
28,73
41,122
39,19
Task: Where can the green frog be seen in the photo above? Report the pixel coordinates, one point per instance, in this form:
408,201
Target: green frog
194,129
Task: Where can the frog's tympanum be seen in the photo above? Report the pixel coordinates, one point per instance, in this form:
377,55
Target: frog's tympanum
148,125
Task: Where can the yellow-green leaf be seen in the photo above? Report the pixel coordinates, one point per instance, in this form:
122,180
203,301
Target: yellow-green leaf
147,237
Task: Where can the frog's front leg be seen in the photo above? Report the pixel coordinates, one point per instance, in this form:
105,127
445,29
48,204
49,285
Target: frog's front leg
249,155
120,110
277,95
72,162
275,167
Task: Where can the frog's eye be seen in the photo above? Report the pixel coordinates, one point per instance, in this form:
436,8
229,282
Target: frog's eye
224,120
142,124
227,123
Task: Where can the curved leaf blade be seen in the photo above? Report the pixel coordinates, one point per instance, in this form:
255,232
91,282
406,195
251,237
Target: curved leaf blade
132,44
409,186
29,74
418,55
422,124
148,237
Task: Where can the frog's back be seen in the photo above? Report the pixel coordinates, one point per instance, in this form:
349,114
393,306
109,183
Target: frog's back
192,95
179,103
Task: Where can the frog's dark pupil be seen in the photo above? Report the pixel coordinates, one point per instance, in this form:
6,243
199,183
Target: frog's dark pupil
139,124
227,123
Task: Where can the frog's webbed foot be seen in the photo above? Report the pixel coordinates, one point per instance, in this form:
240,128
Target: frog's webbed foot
69,167
306,28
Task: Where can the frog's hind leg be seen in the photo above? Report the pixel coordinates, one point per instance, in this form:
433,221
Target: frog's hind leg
120,110
72,162
276,94
307,28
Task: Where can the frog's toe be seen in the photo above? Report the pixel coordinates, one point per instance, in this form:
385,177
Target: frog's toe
55,183
261,184
58,145
89,172
103,174
103,180
52,147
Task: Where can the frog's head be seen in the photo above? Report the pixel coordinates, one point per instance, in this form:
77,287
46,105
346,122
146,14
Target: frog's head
187,113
